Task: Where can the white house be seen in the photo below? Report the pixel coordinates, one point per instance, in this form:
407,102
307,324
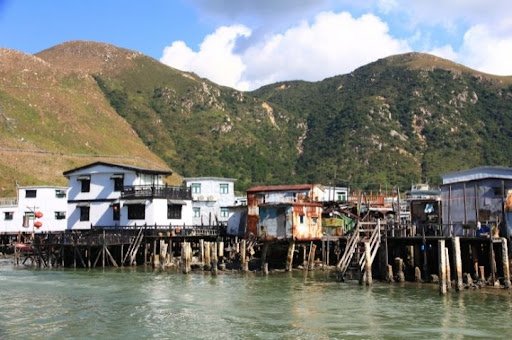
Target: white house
335,194
212,199
19,214
107,195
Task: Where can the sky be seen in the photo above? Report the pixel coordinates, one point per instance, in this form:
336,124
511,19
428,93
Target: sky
246,44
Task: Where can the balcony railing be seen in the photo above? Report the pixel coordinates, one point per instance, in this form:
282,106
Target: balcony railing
8,202
158,191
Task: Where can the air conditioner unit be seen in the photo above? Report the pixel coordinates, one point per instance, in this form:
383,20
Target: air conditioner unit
200,198
211,198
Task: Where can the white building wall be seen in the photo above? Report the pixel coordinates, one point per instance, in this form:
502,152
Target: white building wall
335,194
46,201
210,200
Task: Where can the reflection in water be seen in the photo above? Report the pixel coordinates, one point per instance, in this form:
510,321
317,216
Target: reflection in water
127,303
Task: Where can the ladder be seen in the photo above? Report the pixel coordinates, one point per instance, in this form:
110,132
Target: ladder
358,239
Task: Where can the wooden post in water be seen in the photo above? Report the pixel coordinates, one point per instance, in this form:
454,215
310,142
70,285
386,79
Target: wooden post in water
289,257
243,257
201,252
506,265
417,274
399,263
207,256
311,257
214,266
493,261
448,269
264,257
389,273
442,266
368,264
305,256
458,263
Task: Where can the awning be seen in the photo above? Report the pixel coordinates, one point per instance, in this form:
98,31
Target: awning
133,202
114,176
83,204
84,177
177,202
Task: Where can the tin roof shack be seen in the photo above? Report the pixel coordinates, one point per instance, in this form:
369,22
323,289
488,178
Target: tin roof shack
424,208
285,212
478,195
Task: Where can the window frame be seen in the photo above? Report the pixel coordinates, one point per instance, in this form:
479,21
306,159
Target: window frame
196,188
136,211
60,215
33,193
196,211
174,211
224,188
8,215
85,213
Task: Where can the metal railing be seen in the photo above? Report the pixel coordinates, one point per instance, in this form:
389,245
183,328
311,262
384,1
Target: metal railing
158,191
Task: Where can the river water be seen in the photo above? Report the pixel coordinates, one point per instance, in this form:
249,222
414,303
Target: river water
137,303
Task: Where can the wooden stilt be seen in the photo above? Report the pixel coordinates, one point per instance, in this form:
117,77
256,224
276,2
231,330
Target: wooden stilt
506,264
311,257
289,257
264,253
442,267
448,269
368,264
458,264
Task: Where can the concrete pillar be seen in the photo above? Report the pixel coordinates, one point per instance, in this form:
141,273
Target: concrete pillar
368,264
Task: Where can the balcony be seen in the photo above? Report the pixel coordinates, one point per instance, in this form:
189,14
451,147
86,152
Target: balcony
159,191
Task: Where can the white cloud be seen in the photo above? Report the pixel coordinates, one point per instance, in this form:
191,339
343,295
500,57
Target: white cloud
445,52
215,59
487,50
334,43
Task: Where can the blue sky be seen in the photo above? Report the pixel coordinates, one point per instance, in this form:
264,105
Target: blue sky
249,43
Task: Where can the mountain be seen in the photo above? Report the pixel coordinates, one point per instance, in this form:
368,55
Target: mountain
51,121
196,126
399,120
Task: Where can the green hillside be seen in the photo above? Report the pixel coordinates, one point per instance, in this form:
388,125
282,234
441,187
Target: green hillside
400,120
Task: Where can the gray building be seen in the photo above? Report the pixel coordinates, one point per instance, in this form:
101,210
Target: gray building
474,201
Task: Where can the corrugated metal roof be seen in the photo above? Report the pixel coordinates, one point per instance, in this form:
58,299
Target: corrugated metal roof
293,187
478,173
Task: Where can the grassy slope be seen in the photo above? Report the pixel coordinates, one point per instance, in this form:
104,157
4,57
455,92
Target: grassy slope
51,121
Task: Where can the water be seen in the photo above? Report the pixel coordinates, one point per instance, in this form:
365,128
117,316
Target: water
133,304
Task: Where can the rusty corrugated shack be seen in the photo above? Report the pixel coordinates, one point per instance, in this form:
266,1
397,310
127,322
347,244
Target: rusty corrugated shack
283,212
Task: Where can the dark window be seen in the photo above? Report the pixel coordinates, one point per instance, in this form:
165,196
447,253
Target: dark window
60,215
84,213
30,193
8,215
136,211
174,211
116,212
118,183
86,185
301,219
60,193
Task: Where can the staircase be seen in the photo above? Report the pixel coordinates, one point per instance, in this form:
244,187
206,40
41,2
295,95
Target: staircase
353,257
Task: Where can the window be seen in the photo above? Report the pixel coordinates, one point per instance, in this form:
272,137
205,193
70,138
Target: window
30,193
118,182
84,213
341,196
60,193
196,188
224,188
197,212
8,215
116,212
136,211
301,219
224,212
60,215
86,185
174,211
